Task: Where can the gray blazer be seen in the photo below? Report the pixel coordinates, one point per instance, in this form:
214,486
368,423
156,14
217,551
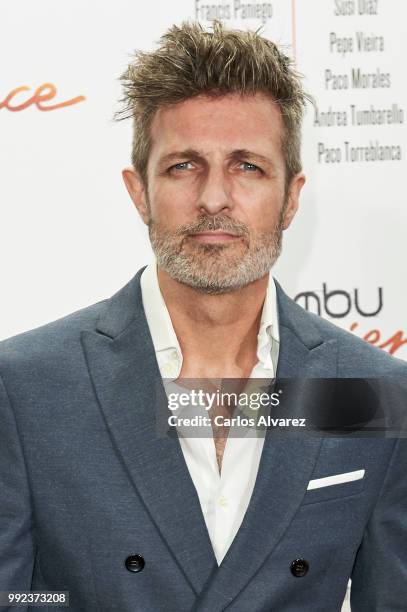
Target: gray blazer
86,483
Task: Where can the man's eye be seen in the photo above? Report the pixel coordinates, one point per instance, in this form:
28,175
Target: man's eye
181,166
249,167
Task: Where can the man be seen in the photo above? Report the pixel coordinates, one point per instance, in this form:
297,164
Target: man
94,500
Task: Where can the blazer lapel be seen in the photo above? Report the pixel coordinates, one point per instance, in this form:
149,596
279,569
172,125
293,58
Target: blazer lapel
127,382
285,468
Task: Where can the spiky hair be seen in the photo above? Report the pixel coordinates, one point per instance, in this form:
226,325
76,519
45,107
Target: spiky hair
191,61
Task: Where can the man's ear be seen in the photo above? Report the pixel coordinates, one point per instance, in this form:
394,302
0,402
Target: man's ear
137,191
293,198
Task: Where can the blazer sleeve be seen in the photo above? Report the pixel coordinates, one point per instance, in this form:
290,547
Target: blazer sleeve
379,577
17,549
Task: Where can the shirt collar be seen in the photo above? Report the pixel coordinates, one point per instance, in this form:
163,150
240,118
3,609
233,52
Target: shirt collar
157,315
269,334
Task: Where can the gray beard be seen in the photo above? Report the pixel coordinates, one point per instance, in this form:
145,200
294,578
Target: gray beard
208,267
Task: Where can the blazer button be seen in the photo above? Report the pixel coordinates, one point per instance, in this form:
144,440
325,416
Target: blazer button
299,567
135,563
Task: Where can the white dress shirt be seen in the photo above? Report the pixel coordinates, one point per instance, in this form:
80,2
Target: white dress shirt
224,497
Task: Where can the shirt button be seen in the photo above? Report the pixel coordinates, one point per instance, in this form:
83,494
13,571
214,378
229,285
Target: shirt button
168,369
223,502
175,355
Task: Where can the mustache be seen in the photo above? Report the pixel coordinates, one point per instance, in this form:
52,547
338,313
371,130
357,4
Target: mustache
219,222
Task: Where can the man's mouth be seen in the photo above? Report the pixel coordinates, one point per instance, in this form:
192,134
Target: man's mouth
210,236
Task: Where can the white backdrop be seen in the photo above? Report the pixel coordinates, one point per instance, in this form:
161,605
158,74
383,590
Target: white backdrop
69,233
351,231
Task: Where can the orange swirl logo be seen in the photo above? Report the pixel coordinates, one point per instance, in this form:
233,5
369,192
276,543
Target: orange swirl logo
43,93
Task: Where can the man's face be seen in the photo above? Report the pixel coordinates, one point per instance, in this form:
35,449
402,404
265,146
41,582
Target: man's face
215,203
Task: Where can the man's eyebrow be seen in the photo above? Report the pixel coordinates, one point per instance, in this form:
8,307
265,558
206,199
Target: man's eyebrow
198,155
185,154
245,153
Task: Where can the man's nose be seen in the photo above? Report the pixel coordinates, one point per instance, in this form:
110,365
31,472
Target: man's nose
215,194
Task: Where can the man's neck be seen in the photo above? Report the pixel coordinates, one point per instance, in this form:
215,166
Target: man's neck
217,333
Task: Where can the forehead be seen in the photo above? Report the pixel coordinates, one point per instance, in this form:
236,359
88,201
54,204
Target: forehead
228,122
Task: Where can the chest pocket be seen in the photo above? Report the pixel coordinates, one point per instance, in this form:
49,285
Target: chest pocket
335,486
